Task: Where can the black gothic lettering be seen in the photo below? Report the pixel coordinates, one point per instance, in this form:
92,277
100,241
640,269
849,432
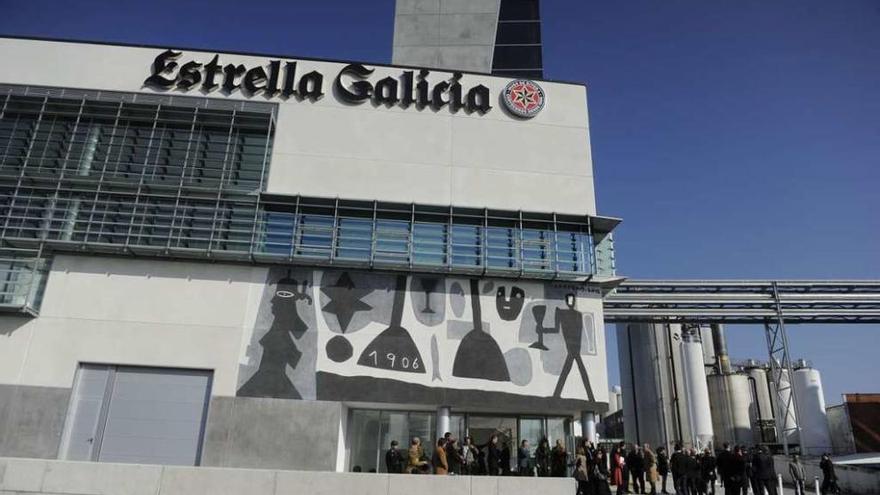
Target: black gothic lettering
190,75
386,92
230,72
437,100
455,102
422,90
359,90
407,96
289,78
212,68
162,64
254,79
274,73
478,100
311,86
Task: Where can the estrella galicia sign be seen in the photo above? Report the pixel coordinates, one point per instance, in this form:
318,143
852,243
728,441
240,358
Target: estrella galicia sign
352,84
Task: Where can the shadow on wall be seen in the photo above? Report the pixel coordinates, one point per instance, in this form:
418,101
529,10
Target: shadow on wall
12,322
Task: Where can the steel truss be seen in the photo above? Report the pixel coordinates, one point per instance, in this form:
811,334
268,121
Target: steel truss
770,303
744,301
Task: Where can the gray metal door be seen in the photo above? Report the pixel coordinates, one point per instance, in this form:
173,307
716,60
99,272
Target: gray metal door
137,415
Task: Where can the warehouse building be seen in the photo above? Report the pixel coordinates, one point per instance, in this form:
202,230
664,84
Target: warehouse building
251,260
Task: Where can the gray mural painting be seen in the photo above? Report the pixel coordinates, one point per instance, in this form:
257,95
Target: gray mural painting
351,335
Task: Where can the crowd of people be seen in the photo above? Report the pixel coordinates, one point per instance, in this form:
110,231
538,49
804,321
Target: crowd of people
463,457
634,469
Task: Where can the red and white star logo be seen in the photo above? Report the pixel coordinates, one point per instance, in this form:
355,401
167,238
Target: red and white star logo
523,98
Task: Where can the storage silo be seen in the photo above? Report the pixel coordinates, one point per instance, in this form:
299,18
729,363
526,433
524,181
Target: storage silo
696,389
812,418
761,413
638,360
652,394
731,401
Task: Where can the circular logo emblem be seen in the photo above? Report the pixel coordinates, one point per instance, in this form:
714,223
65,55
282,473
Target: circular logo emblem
523,98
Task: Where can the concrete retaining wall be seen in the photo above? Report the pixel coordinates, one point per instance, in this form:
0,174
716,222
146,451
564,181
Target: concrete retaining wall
245,432
26,476
31,420
851,479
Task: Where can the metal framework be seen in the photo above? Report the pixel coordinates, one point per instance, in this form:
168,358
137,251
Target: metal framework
744,301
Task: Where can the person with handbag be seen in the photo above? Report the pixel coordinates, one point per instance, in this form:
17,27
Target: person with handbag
599,474
650,468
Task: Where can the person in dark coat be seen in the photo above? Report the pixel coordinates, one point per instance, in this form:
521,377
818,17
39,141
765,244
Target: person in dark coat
636,462
558,460
599,473
542,458
394,461
662,467
693,472
829,477
708,463
723,463
765,471
505,459
737,481
493,457
677,467
750,456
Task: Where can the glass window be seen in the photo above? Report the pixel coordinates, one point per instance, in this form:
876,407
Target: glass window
518,33
502,246
372,432
527,74
429,243
531,429
354,239
392,241
365,429
517,57
466,245
537,249
516,10
314,236
279,232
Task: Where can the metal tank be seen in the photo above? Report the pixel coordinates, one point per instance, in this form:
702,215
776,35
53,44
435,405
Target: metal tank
638,358
696,389
731,400
786,418
812,418
653,395
761,413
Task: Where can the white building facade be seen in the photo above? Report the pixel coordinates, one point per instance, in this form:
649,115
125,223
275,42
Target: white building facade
256,261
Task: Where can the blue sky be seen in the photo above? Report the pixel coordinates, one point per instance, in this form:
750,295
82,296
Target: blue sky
736,140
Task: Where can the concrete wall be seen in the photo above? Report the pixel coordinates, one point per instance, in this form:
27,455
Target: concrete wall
331,148
31,420
23,476
272,434
851,479
445,34
137,312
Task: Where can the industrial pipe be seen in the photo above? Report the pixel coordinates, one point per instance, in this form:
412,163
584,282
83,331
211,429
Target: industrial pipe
722,360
